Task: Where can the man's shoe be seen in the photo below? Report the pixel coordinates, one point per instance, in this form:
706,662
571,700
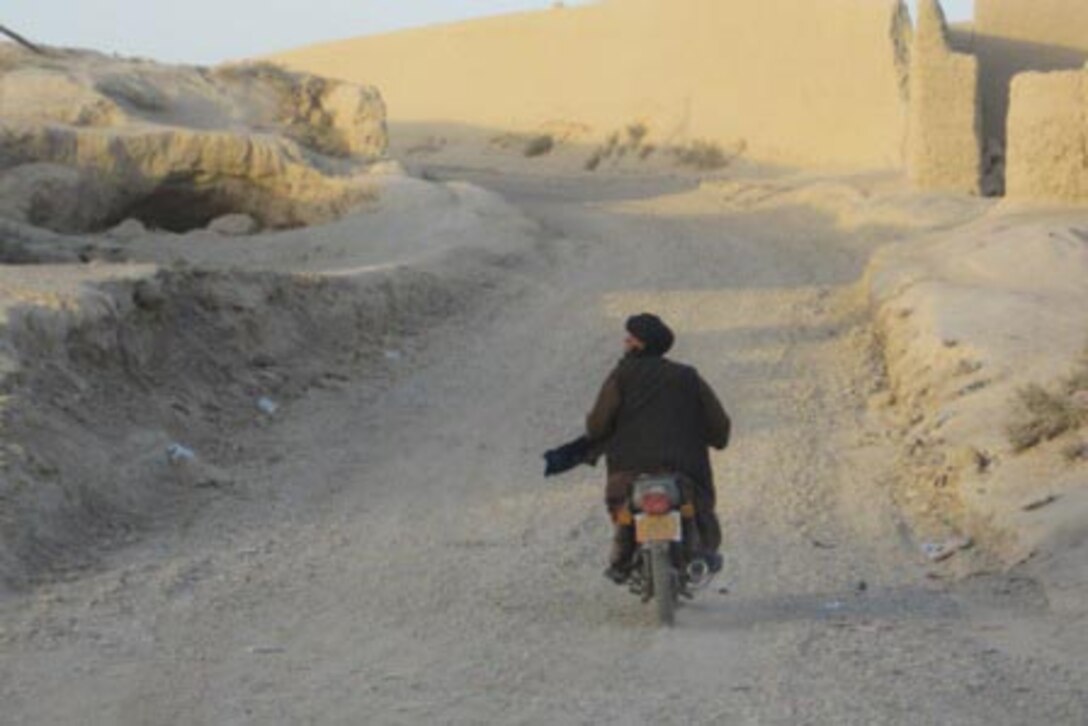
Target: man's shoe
714,562
618,574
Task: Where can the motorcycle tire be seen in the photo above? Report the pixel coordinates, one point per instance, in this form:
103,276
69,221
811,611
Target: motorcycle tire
664,584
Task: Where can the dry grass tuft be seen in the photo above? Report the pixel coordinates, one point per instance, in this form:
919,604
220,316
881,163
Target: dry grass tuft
702,155
636,134
1078,382
619,144
1040,416
1076,451
1043,415
539,145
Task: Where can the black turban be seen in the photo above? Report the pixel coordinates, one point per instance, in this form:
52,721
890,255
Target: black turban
653,333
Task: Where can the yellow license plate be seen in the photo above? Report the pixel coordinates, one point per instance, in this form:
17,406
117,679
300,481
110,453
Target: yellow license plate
658,527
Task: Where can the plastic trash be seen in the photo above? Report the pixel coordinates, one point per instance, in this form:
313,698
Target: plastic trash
177,454
940,551
932,549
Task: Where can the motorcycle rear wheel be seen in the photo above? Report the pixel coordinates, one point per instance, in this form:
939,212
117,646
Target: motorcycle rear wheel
664,584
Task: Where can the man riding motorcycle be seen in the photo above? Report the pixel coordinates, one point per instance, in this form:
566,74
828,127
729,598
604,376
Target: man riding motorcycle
652,415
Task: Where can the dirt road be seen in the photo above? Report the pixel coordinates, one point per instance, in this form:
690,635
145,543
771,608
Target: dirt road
392,555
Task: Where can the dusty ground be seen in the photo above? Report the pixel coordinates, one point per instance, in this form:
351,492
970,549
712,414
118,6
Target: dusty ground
388,552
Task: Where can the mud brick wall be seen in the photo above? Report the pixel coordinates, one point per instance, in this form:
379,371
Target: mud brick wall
801,82
943,150
1015,36
1048,136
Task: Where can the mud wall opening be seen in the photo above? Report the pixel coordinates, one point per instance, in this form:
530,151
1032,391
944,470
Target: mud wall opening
1010,37
73,200
175,208
1001,59
961,85
181,206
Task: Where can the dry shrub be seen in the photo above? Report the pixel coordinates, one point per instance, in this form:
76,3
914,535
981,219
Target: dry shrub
1076,451
1043,415
1039,416
601,153
610,146
636,134
618,145
1078,382
539,145
702,155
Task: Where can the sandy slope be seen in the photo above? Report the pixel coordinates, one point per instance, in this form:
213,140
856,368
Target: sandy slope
389,553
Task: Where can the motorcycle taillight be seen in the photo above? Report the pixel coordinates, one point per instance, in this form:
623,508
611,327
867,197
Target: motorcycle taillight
655,503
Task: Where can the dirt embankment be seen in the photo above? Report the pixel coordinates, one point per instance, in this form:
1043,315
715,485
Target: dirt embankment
121,400
973,321
88,141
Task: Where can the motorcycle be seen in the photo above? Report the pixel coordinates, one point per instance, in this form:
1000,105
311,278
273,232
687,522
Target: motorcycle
665,567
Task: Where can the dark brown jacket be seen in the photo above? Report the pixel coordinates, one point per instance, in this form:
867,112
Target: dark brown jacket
653,414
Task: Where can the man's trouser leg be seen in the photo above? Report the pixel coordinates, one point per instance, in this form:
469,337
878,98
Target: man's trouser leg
617,497
623,546
706,520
